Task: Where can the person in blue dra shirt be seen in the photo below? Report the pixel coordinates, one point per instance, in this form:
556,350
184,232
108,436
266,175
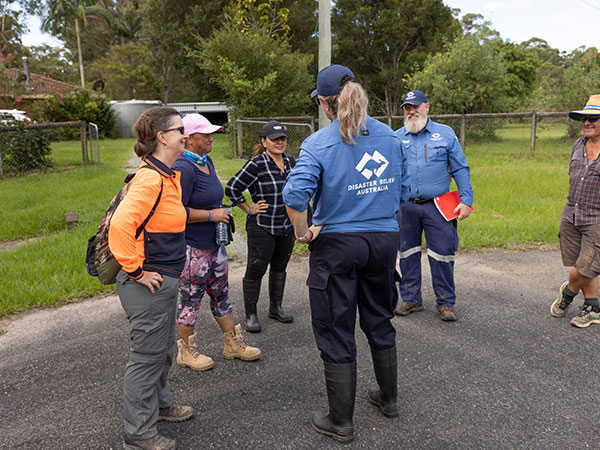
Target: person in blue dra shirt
434,155
355,172
579,230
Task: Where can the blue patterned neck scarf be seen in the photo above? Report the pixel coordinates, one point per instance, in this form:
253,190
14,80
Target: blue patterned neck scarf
198,159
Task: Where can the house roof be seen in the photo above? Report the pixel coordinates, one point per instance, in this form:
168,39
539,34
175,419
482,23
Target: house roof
40,86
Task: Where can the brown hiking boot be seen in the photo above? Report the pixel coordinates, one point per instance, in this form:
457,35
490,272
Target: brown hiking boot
236,347
404,308
157,442
188,355
446,313
175,413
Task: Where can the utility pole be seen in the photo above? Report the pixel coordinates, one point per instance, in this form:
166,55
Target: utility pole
324,47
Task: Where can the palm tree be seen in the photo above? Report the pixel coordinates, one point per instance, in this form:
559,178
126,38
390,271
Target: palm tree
61,14
121,16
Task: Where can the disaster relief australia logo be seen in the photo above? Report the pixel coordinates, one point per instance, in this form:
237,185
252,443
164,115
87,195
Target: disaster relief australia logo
372,167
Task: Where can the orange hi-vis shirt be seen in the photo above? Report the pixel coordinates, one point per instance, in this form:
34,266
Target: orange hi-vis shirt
161,247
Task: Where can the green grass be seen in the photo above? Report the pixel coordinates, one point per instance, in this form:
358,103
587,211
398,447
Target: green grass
50,270
518,199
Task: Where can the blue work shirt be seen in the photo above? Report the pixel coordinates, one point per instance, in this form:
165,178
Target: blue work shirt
433,155
353,187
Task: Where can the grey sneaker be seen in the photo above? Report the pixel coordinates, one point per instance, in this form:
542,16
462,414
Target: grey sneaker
175,413
560,306
157,442
405,308
586,317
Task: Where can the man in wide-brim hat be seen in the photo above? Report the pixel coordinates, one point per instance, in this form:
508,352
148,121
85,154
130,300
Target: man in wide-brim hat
579,234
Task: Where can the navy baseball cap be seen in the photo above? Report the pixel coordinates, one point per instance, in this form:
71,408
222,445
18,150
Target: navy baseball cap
414,97
328,80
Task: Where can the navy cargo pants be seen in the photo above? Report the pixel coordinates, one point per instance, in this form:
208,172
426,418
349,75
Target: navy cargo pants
442,242
350,271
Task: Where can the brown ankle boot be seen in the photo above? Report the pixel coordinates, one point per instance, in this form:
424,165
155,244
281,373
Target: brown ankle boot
188,355
236,347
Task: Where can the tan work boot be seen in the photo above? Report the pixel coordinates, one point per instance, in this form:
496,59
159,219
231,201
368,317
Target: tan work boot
446,313
188,355
236,347
175,413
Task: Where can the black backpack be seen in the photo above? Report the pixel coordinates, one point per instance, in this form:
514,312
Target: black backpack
99,261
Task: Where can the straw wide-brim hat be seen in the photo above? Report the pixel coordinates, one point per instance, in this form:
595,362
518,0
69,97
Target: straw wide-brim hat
592,108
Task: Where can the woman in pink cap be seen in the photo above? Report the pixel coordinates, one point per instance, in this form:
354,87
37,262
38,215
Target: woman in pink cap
206,267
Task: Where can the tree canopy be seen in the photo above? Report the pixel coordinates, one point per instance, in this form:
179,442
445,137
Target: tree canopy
383,41
261,55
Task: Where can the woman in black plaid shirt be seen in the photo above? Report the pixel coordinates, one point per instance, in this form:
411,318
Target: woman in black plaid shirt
270,232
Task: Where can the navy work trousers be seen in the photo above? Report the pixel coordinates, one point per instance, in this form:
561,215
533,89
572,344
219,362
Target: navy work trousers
350,270
442,242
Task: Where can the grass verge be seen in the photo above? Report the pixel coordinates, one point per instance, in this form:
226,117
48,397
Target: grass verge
518,199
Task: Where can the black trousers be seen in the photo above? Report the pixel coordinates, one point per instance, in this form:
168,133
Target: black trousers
264,249
350,271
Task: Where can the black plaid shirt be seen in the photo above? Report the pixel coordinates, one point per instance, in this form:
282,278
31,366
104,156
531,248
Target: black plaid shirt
265,181
583,202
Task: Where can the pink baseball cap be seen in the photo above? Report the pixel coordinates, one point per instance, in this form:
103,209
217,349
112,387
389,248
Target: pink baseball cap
197,123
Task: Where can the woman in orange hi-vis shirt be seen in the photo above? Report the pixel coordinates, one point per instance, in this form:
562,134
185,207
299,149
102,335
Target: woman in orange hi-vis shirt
149,279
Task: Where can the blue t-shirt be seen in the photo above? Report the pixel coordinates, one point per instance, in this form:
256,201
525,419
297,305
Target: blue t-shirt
199,190
354,187
433,155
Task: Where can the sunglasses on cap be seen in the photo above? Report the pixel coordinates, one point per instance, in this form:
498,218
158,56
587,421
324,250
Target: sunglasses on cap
593,119
180,129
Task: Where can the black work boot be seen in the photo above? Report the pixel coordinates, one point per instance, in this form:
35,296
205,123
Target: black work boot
386,374
340,380
276,287
251,290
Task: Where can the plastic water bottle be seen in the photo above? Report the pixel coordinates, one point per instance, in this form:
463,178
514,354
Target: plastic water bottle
222,235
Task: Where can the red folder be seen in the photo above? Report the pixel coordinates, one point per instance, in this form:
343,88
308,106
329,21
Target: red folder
447,203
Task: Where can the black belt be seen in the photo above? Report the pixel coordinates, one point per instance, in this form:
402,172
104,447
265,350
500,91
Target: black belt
420,201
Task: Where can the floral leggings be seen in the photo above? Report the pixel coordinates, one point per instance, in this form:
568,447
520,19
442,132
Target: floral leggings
205,271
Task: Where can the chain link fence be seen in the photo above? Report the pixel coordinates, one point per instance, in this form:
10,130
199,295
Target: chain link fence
247,133
24,148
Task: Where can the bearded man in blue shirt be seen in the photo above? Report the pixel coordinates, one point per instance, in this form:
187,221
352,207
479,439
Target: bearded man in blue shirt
434,155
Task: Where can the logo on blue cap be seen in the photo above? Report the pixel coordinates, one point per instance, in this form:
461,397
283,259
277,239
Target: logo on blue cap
414,97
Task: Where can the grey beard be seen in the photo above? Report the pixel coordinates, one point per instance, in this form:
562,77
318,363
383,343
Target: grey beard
415,126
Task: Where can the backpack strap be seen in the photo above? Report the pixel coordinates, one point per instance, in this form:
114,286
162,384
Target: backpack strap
143,225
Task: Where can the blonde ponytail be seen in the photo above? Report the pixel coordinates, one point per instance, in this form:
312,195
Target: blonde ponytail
350,108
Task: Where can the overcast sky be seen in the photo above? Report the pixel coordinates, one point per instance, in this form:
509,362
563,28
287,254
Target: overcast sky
564,24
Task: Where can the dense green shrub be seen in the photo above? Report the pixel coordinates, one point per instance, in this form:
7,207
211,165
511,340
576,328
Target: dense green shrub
25,149
79,106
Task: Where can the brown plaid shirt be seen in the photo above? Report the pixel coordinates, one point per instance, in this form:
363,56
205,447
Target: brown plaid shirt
583,202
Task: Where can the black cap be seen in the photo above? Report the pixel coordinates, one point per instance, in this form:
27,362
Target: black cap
273,130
